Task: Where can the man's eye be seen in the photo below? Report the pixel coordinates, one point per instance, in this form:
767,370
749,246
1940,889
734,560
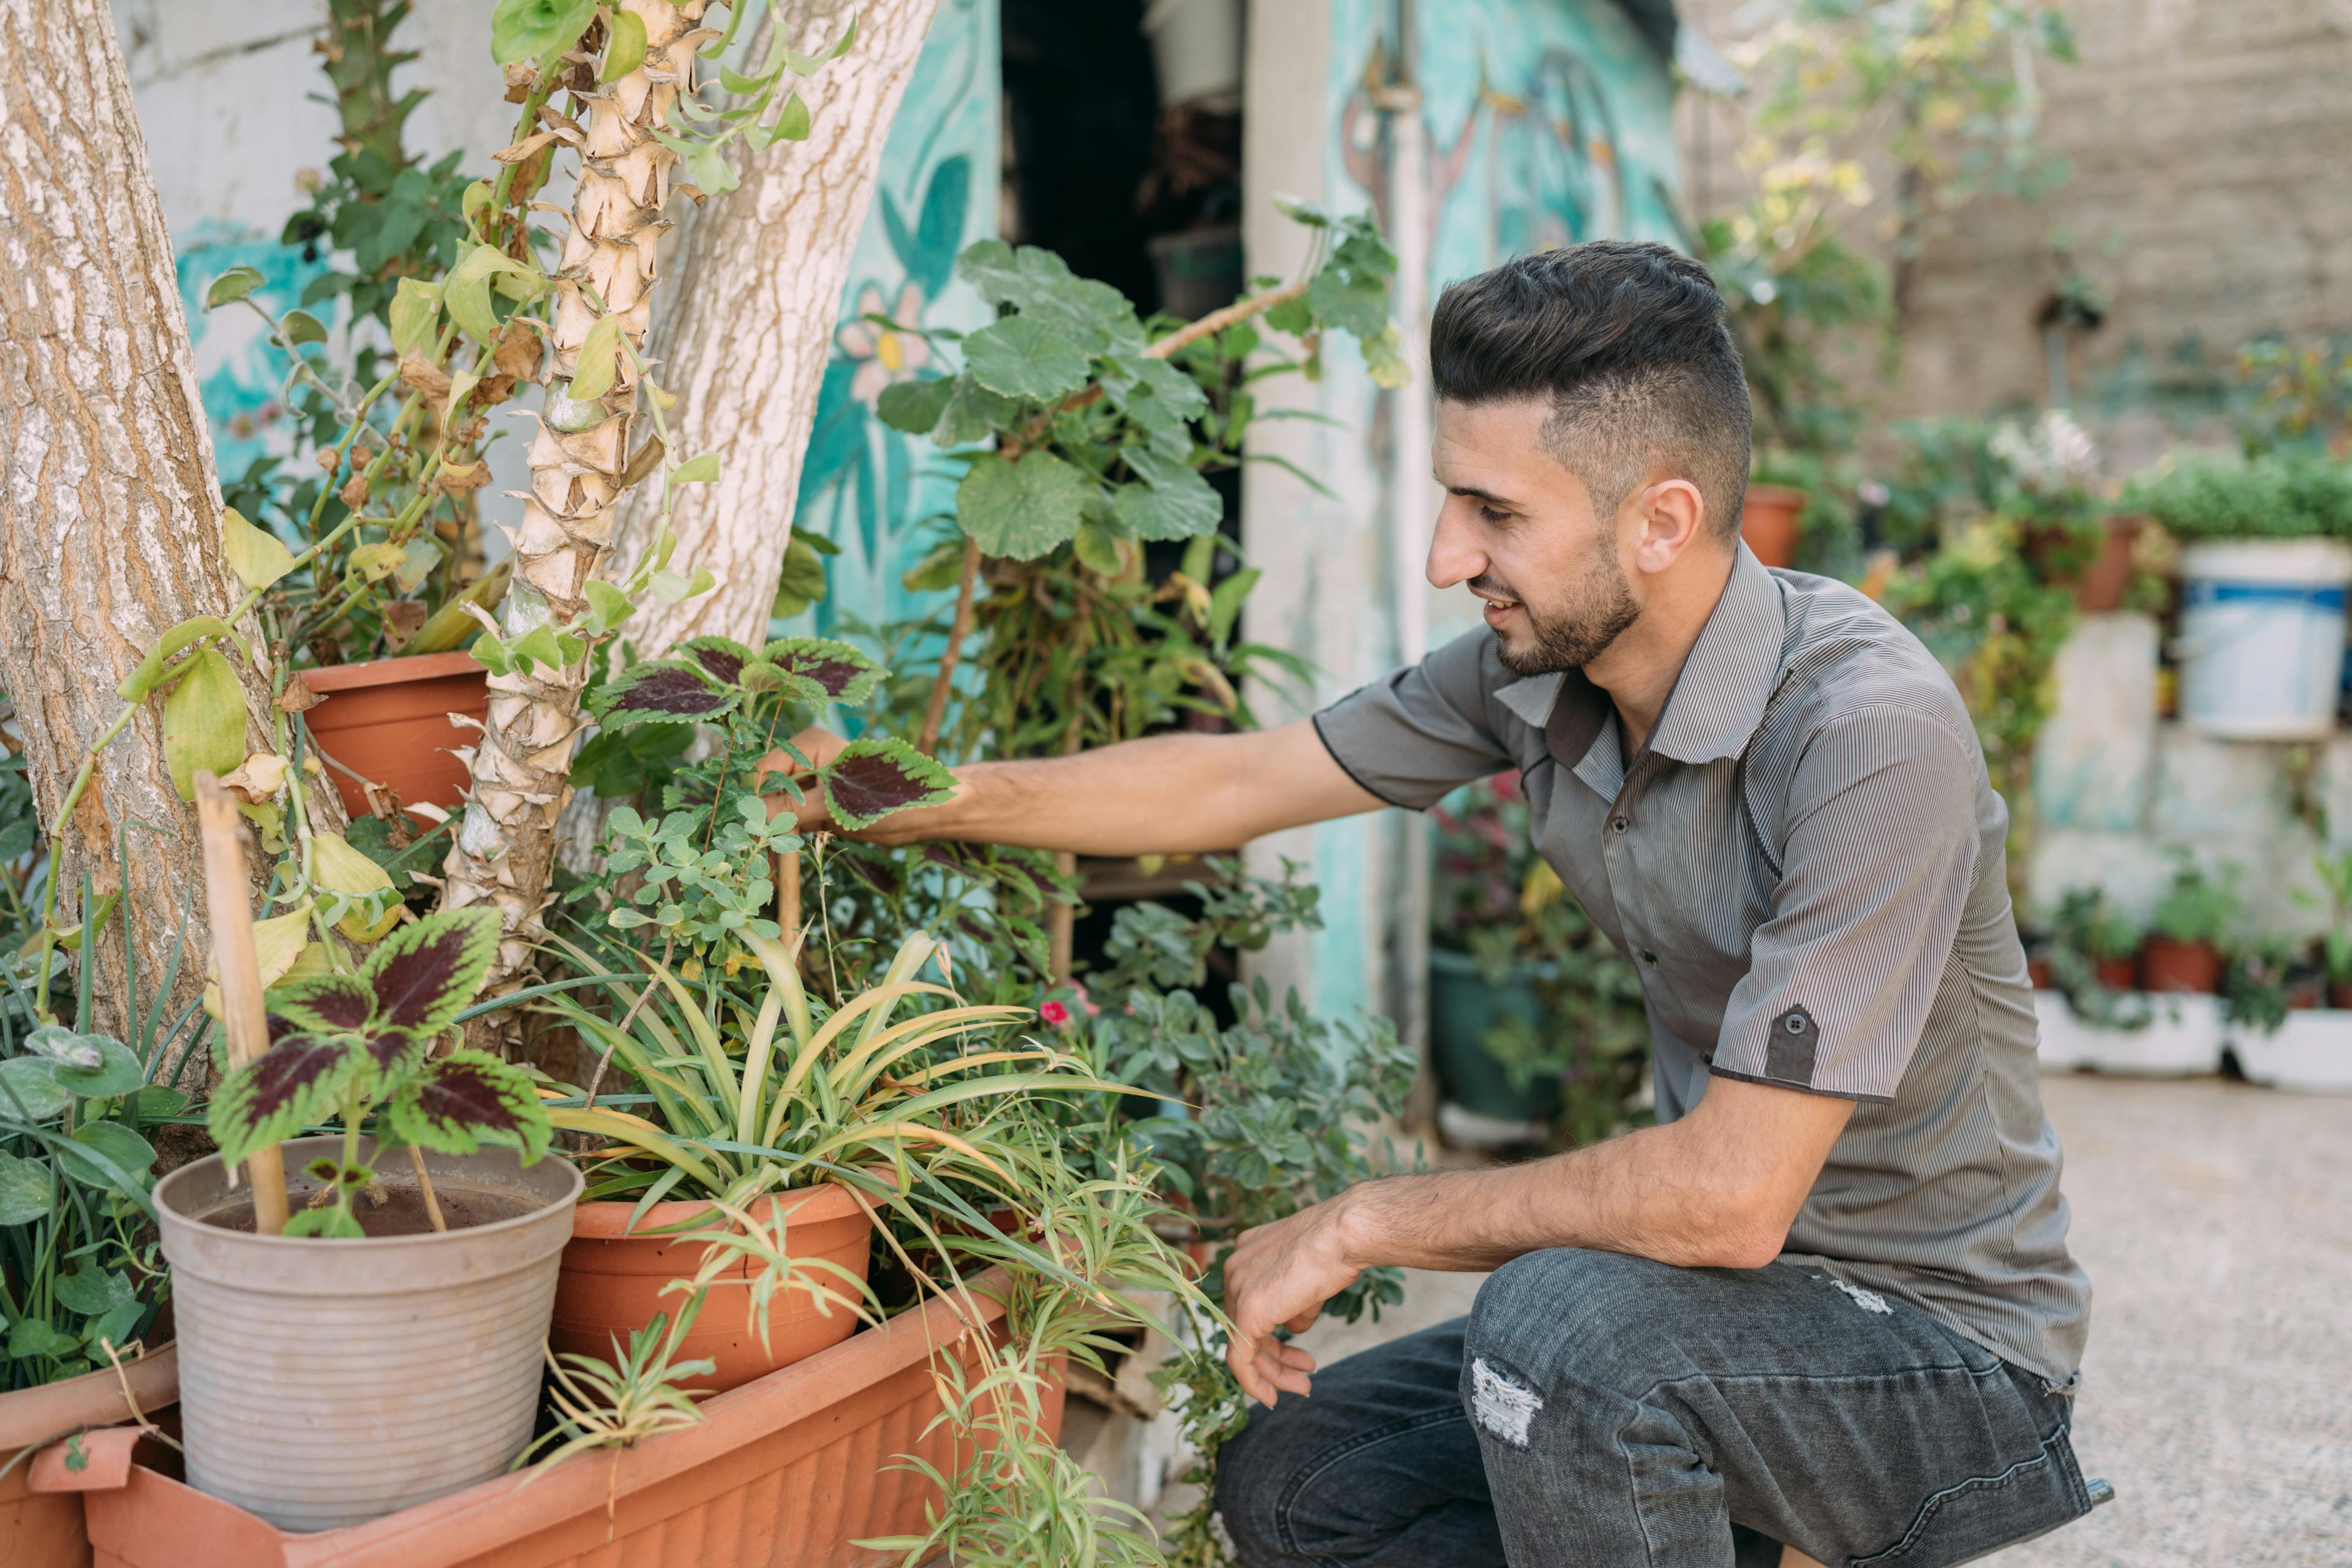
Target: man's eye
1491,515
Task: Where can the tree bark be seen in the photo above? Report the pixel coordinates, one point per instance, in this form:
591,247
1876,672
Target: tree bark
109,517
746,340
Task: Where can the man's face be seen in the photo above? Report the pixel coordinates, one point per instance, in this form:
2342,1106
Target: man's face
1521,529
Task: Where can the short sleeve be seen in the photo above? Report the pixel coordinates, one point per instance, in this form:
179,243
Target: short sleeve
1879,860
1418,734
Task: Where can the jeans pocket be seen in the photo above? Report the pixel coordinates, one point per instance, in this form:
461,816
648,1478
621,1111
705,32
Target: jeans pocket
1985,1513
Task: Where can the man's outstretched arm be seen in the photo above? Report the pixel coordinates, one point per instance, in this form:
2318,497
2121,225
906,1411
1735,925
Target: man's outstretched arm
1165,794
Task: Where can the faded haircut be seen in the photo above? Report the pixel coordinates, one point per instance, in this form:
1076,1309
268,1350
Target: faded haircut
1628,342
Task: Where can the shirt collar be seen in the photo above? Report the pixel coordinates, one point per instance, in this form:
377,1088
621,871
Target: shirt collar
1717,701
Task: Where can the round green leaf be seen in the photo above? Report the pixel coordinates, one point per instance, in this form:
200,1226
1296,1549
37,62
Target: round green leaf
29,1090
26,1192
1021,510
204,722
1017,358
118,1072
625,46
232,286
301,326
86,1156
92,1291
529,30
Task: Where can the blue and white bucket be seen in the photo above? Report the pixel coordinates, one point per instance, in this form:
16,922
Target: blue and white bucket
2261,636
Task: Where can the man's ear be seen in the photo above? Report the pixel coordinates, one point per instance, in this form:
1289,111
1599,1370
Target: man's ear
1672,515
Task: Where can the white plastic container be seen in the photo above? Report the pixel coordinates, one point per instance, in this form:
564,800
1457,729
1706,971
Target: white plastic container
2183,1037
1197,46
2261,636
2066,1042
2311,1051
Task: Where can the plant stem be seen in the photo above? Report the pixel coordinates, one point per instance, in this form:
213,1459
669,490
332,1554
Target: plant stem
425,1185
935,710
1219,319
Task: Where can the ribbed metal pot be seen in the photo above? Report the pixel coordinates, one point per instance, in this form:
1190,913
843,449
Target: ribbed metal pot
326,1383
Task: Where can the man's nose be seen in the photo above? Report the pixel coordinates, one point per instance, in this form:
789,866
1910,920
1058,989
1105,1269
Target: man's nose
1455,554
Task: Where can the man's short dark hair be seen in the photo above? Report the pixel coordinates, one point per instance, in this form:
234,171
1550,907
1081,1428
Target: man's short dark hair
1627,342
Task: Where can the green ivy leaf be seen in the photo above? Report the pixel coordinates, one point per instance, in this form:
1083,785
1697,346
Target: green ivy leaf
533,29
204,722
624,45
1021,510
415,310
915,406
232,286
91,1290
149,675
1173,502
254,554
1016,357
1153,393
974,412
301,326
1352,302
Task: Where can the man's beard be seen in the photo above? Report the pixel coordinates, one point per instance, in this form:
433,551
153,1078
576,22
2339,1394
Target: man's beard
1573,640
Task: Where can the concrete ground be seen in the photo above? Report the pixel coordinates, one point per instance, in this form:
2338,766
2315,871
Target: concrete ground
2215,1219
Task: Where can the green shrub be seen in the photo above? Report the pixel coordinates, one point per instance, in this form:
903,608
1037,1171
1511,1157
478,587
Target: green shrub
2278,496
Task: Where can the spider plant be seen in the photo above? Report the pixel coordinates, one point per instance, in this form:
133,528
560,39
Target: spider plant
620,1403
736,1102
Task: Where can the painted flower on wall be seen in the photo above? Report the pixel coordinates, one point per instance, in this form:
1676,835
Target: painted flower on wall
884,356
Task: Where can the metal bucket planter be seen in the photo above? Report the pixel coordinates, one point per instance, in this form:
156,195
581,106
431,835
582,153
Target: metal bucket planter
788,1471
324,1383
41,1529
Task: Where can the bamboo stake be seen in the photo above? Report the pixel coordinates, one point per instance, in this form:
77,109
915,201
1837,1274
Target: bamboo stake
787,897
228,906
425,1185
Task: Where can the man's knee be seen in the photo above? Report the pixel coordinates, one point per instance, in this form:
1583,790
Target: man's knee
1563,1335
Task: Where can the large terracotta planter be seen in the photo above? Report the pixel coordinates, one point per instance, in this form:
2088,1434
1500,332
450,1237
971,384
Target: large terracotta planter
43,1529
614,1281
388,720
2166,964
1767,521
786,1472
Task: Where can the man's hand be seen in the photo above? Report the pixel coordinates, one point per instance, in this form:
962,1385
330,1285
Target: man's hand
820,746
1280,1275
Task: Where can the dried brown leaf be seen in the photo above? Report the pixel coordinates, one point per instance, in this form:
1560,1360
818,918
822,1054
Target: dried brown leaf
471,477
298,697
404,618
260,778
354,493
518,352
420,375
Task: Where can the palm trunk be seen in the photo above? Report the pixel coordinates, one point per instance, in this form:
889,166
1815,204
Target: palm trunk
505,851
745,341
109,517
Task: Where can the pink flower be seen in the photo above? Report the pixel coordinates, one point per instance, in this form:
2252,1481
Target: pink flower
889,356
1054,1013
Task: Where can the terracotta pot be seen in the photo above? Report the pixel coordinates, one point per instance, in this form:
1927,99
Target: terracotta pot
614,1281
1767,521
2166,965
2103,583
2306,992
2038,973
388,720
2116,974
785,1472
2339,994
43,1529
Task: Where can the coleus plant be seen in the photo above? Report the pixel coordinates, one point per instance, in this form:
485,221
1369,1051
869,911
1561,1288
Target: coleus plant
357,1045
700,869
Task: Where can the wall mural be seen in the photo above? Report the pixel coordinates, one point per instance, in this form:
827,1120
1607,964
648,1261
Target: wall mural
871,489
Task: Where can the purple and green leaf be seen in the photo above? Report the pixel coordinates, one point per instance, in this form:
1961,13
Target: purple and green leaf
323,1003
661,694
841,672
423,974
872,779
721,659
467,1099
297,1083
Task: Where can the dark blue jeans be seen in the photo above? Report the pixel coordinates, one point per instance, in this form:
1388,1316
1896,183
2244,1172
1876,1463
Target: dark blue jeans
1601,1411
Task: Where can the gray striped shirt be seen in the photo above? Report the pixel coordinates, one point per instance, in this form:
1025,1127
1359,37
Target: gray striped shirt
1806,863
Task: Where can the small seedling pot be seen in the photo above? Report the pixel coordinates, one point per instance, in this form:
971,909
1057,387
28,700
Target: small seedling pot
388,720
615,1277
1767,521
325,1382
2168,965
39,1529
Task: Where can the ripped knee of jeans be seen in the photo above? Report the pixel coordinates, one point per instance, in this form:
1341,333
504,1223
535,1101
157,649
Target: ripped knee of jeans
1504,1406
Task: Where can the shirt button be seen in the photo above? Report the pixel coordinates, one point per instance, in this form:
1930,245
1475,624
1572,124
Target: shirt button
1618,825
1649,957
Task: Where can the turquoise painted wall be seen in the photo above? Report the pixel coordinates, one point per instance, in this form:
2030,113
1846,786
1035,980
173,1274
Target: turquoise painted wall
870,489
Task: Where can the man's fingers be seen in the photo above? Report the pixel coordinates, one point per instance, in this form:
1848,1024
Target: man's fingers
1295,1355
1289,1379
1305,1319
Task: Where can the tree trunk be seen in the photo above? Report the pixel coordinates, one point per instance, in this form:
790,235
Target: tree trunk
109,517
505,851
746,340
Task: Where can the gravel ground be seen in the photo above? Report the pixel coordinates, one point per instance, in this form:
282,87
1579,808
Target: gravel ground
2216,1221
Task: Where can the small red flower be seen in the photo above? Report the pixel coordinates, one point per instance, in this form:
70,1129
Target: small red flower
1054,1013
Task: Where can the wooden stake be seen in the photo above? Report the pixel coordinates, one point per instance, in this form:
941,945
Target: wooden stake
788,899
227,904
425,1185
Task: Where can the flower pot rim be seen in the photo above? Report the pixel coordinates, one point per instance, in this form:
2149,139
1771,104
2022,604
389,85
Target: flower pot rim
30,1416
333,677
607,1219
379,1243
1784,495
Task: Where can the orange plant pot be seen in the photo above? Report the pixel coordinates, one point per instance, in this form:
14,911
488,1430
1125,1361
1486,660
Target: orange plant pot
784,1472
388,722
1767,521
2166,964
614,1281
43,1529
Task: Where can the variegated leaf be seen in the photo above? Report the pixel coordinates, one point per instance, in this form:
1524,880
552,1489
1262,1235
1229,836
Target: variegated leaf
871,779
721,659
299,1081
324,1003
845,675
423,975
661,694
467,1099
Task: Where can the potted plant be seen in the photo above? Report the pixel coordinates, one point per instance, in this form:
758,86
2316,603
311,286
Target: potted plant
2186,929
2263,570
2090,1022
1771,518
1533,1016
2310,1048
87,1342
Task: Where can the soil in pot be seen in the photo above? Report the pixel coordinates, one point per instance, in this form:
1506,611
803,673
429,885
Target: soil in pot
401,1211
2167,964
1767,521
327,1382
388,722
615,1278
